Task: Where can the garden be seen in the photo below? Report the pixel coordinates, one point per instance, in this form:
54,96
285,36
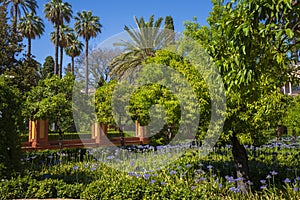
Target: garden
212,109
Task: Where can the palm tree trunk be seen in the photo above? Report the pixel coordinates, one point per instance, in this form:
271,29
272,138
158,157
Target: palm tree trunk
61,61
241,164
15,18
86,66
29,48
72,66
56,51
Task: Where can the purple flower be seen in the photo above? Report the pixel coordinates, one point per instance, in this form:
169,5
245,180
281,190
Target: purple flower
75,167
110,157
234,189
239,179
188,165
274,173
209,167
172,172
287,180
93,169
263,187
296,189
163,183
193,187
263,181
146,176
220,185
152,181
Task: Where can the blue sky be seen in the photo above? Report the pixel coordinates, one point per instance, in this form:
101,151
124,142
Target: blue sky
114,14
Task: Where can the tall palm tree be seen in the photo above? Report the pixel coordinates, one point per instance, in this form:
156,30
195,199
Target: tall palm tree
58,12
87,26
64,33
73,49
145,40
18,5
31,26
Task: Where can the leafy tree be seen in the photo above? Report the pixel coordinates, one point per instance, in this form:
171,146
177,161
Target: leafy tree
73,49
17,6
87,26
57,12
25,75
31,26
48,67
103,99
9,43
248,41
10,119
65,32
169,27
291,119
52,99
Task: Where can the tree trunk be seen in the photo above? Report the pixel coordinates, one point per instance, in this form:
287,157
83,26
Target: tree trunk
72,66
86,66
56,51
29,48
61,61
241,164
15,18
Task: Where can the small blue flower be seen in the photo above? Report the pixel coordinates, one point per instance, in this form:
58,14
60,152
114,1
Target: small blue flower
110,157
209,167
75,167
146,176
163,183
263,187
234,189
287,180
193,187
93,169
239,179
274,173
296,189
263,181
152,181
172,172
220,185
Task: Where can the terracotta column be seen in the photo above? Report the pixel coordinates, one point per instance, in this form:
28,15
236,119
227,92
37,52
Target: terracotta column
38,133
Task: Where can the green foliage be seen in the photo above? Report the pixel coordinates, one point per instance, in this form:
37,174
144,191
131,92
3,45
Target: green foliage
192,176
48,67
51,99
249,50
10,120
103,100
25,75
292,117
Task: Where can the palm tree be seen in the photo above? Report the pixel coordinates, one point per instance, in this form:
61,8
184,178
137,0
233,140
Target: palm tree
58,12
73,49
87,26
18,5
31,26
64,34
145,40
